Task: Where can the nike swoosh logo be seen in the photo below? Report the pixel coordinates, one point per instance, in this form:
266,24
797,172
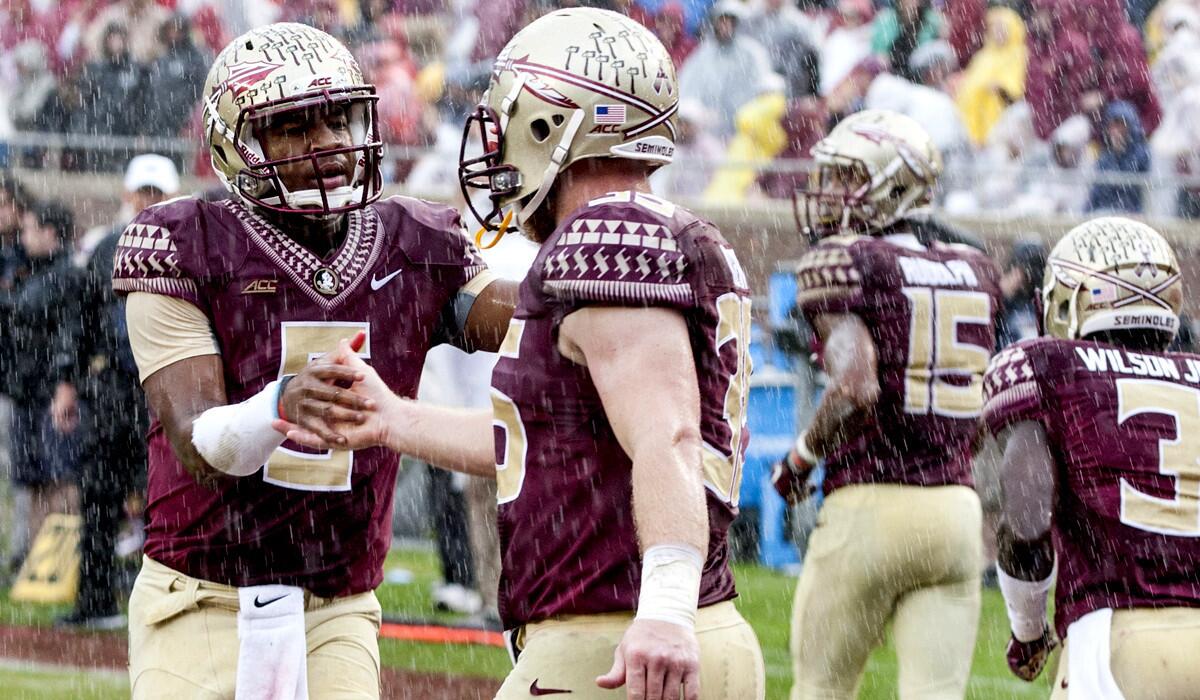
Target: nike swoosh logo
377,284
536,691
262,604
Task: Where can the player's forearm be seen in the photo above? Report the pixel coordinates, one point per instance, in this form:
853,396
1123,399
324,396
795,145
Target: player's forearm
668,491
457,439
838,418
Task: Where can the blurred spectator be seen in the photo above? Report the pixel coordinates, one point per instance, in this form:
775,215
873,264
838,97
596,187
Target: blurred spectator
498,21
40,468
99,373
112,93
929,106
34,103
437,171
14,201
898,31
847,43
402,112
727,70
141,20
1123,150
1175,145
174,78
1019,284
998,173
786,35
933,65
685,177
1060,61
995,78
669,27
1120,72
967,20
1063,188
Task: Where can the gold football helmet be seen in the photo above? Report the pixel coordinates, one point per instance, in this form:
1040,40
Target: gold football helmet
270,72
872,169
1111,273
577,83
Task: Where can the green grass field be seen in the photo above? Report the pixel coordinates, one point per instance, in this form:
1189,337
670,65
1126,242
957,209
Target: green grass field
766,599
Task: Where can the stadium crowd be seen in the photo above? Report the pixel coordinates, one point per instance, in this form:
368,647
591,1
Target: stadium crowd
1068,107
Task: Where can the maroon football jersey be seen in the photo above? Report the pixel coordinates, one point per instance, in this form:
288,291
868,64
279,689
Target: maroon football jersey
321,521
930,311
1124,429
567,535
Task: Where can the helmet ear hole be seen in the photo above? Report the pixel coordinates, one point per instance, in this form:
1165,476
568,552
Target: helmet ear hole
1062,311
540,130
558,119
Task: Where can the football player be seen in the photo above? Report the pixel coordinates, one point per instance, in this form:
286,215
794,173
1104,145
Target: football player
227,303
618,424
1101,472
907,327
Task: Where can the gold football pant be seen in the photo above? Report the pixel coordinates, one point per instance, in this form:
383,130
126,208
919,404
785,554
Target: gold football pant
567,654
884,552
1152,655
183,640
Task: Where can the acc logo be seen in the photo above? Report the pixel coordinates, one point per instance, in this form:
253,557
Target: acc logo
321,82
606,129
261,287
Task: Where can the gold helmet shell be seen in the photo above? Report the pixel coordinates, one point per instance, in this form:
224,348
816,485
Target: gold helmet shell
1108,274
576,83
874,167
271,71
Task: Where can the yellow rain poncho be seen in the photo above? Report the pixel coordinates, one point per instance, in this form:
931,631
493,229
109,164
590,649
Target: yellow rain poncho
998,66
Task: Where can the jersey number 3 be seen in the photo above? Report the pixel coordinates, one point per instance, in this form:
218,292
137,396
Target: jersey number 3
300,343
1178,457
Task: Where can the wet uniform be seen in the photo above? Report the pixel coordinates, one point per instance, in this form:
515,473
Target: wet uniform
569,548
898,536
1124,430
317,520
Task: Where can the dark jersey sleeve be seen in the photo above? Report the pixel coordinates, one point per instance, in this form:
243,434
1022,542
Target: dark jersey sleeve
829,279
433,238
1012,391
619,256
162,252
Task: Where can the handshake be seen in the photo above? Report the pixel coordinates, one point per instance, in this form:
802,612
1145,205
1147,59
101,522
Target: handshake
337,402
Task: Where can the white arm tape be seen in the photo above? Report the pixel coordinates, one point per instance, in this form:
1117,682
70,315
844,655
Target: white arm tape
238,439
670,584
1026,603
804,450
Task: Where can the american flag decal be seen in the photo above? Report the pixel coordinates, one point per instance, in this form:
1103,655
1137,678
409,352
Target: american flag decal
609,114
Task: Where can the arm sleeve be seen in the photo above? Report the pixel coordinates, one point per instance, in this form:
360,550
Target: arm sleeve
164,330
1011,392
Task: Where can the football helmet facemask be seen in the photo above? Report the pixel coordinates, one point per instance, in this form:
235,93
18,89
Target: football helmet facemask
1107,274
874,167
283,70
577,83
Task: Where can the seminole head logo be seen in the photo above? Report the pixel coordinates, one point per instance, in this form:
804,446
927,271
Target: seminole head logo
244,76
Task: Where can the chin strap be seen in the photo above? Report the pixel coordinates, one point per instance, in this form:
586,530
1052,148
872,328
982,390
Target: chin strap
557,158
503,229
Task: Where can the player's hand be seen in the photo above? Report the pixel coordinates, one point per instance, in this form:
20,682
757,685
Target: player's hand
319,398
369,426
790,477
654,660
64,408
1027,659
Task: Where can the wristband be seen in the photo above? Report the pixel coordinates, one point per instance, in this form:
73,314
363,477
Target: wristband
283,382
804,451
670,584
238,439
1026,603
